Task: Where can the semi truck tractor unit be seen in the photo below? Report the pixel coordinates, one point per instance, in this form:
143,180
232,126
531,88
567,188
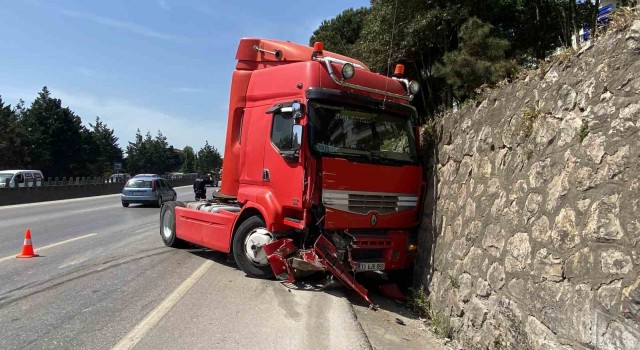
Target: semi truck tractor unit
321,169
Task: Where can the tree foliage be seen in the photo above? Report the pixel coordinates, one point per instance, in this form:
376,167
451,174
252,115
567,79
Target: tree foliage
341,33
208,159
10,136
426,36
188,160
152,155
479,59
52,138
106,148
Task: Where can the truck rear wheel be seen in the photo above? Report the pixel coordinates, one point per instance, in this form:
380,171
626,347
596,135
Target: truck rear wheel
247,248
168,225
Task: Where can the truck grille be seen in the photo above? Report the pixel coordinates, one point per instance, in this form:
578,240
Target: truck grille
365,202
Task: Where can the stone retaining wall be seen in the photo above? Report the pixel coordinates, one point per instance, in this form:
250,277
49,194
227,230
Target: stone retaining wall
536,239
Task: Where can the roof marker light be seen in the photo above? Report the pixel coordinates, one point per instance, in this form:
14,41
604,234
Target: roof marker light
318,47
399,71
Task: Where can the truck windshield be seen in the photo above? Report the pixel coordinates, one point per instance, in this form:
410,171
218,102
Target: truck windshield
370,135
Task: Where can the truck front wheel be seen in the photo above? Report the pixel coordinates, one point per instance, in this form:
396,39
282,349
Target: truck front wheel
168,225
247,248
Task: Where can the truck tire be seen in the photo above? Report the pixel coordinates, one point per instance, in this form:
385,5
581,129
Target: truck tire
168,225
248,266
125,204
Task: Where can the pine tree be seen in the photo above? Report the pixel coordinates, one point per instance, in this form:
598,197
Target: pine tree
339,34
188,160
10,136
53,137
209,158
107,149
480,59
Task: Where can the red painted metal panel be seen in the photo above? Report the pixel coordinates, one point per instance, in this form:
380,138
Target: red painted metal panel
210,230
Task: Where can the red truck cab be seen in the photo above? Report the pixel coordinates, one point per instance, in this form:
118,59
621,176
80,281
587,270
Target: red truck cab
320,152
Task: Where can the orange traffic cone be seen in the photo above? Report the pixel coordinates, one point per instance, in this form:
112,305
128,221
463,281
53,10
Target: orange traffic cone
27,248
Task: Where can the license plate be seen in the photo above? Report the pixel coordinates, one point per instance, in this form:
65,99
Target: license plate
370,266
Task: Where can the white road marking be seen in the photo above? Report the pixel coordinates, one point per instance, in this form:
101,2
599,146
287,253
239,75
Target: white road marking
52,245
100,208
76,261
139,331
69,200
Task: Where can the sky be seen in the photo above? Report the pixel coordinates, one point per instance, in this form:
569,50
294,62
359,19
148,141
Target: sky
145,64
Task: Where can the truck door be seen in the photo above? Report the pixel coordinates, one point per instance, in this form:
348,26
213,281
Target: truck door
283,170
252,141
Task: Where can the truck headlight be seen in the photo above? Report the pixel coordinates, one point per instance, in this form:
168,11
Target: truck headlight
348,71
414,87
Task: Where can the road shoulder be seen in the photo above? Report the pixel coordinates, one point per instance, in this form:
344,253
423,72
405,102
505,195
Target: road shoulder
393,326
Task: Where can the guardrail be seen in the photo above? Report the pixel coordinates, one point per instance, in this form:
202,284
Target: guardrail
74,187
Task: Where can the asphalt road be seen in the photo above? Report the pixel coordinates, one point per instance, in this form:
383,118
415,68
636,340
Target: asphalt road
104,280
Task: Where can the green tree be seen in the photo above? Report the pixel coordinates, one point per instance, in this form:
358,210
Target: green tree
208,158
135,150
188,160
10,136
107,150
339,34
152,155
419,33
479,59
53,137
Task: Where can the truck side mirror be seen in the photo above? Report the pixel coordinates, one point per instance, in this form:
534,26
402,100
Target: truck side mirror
296,110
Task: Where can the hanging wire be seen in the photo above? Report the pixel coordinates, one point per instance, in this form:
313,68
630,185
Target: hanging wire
393,30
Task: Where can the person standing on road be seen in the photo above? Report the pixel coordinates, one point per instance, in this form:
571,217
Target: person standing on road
199,189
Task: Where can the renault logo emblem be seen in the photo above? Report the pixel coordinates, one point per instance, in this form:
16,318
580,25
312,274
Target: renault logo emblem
374,220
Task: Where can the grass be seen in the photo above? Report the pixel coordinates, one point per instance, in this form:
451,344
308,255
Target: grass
622,18
529,117
419,303
584,131
440,325
454,282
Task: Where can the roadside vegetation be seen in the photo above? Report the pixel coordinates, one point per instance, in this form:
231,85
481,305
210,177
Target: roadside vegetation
30,138
453,48
419,303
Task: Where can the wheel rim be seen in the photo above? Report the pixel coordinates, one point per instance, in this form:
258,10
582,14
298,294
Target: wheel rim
256,239
167,225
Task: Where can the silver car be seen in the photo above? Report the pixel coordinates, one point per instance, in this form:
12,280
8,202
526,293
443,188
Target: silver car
147,190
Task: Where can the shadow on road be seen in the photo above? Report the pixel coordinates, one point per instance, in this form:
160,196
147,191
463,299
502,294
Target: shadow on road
321,282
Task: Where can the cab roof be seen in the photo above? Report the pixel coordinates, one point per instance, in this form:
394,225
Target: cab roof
291,52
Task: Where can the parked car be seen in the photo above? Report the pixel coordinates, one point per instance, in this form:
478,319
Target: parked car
120,177
147,190
20,178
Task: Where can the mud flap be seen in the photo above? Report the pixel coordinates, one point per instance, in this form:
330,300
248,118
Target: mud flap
327,252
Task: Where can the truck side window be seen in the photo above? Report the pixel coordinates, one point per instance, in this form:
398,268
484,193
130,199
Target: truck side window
281,132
